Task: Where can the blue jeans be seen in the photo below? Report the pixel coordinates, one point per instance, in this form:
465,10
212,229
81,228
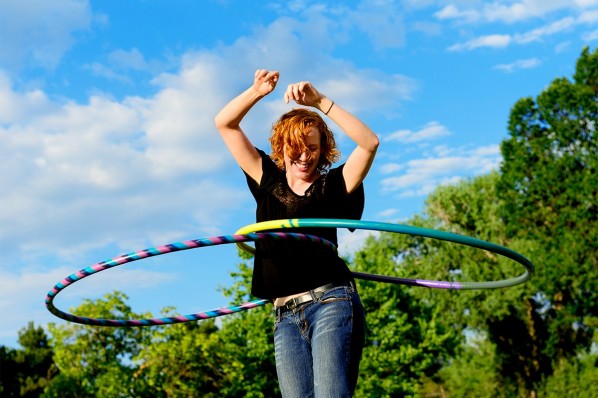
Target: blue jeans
318,345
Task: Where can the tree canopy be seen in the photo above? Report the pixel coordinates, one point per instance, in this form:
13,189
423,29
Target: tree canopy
535,339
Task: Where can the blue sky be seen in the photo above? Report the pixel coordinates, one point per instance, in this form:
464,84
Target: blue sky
107,143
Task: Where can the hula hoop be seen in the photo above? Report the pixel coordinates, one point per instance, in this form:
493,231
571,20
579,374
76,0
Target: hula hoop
157,251
408,230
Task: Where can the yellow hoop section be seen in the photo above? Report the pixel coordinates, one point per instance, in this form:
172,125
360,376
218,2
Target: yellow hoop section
264,225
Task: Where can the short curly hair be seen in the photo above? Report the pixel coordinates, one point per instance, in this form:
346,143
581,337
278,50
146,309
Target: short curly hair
292,129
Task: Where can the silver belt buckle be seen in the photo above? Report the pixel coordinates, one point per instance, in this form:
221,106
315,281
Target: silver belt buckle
292,303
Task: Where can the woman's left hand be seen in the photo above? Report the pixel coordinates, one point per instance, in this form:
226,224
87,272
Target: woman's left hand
303,93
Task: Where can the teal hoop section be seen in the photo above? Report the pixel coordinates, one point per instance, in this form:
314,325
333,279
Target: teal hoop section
408,230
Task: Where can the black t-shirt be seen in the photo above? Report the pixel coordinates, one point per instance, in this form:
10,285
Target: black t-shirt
286,267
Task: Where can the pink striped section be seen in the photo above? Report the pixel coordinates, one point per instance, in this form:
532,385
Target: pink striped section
163,249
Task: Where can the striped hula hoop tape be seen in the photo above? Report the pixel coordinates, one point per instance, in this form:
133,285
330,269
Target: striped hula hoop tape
160,250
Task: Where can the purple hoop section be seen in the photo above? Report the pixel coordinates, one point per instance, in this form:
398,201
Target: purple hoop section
164,249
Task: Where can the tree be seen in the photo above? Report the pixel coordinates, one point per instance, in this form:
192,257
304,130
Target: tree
506,317
531,338
405,338
97,361
25,372
473,372
182,360
248,340
549,185
577,377
35,360
234,360
542,204
9,380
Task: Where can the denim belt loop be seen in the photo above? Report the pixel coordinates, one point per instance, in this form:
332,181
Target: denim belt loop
278,312
313,295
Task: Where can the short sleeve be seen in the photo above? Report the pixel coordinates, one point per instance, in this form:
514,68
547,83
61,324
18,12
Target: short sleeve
269,175
345,205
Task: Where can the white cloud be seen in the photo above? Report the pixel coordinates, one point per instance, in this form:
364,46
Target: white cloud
132,59
429,167
381,21
451,11
16,108
386,214
350,242
36,36
83,176
87,175
17,287
364,90
590,36
388,168
120,63
422,176
442,151
588,17
524,10
561,47
510,12
553,28
505,40
586,3
98,69
580,13
430,131
529,63
492,41
488,150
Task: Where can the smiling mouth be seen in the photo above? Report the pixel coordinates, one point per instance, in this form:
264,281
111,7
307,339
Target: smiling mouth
303,166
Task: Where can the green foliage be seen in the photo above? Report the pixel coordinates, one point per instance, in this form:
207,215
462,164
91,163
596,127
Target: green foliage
181,360
26,372
235,360
96,361
35,360
576,377
9,374
542,204
248,338
405,339
508,317
549,185
538,338
248,341
471,208
473,373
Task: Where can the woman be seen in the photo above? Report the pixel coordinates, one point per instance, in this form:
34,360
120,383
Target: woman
320,324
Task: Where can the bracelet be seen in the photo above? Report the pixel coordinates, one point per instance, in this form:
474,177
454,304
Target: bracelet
331,105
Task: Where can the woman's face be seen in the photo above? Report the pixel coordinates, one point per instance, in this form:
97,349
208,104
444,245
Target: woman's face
305,166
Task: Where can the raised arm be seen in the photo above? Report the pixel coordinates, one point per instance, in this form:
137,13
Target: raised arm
228,122
359,162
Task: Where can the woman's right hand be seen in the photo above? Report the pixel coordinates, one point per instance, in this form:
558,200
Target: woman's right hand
265,81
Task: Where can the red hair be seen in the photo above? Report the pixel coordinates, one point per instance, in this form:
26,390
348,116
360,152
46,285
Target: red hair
292,129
